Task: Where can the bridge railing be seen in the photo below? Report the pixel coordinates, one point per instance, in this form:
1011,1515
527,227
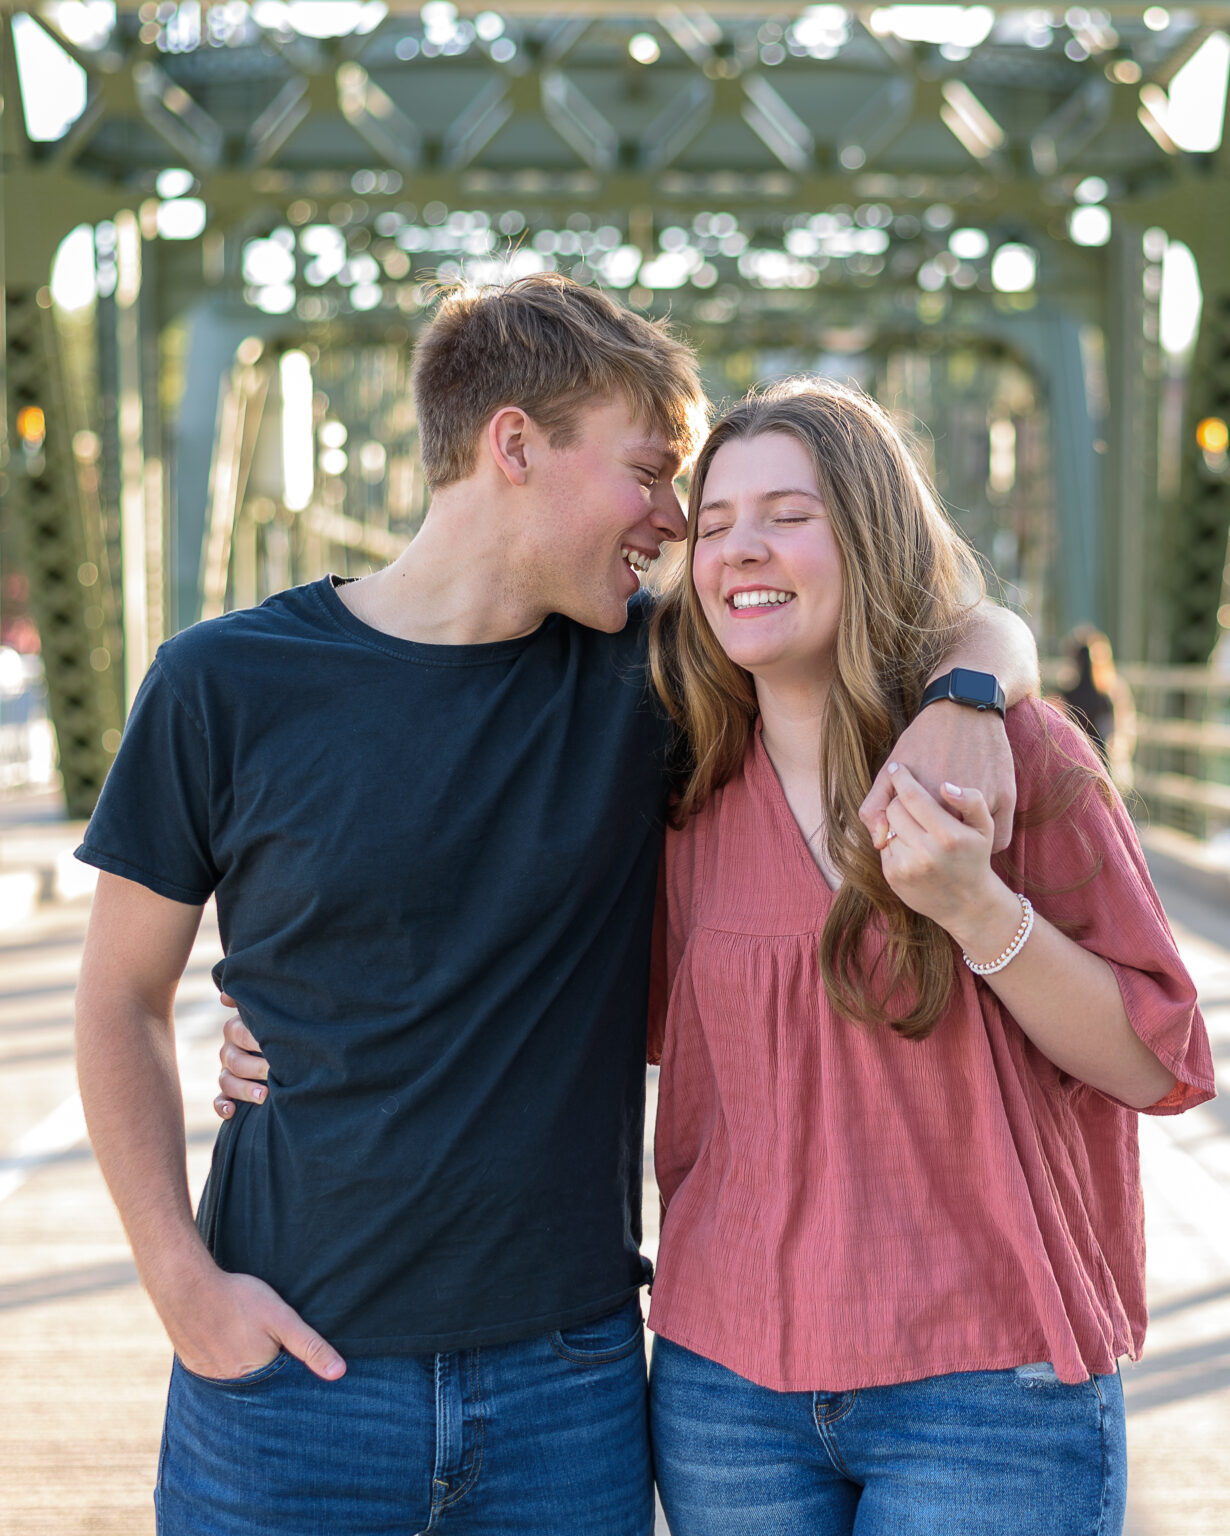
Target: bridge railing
1176,768
1181,767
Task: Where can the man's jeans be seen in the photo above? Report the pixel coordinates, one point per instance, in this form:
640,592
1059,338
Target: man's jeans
547,1437
979,1453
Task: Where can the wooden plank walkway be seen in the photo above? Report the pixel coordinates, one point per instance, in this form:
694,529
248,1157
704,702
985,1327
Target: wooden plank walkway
83,1361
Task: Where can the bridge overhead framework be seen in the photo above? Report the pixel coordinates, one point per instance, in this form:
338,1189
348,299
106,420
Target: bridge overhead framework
252,203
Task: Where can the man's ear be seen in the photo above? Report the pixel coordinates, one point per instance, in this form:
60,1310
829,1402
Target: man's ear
509,440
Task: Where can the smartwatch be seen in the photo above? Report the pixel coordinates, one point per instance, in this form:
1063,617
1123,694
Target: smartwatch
979,690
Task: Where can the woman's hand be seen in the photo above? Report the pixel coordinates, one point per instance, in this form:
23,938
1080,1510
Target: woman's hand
937,859
964,746
244,1070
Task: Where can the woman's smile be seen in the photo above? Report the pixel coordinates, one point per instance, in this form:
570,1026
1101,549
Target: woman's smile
766,563
756,600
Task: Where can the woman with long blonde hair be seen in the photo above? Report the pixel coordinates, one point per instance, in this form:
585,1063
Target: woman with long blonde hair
901,1248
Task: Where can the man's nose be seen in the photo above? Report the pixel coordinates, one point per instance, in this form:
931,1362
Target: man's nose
668,514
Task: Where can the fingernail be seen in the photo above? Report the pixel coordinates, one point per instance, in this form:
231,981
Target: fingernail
952,789
892,767
258,1095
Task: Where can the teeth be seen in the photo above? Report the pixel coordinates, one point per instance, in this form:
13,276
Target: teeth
766,598
636,560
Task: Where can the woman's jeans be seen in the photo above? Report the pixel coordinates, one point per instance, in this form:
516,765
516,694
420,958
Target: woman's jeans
977,1453
542,1438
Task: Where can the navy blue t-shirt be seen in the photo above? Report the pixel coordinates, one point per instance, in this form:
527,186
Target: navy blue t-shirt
435,871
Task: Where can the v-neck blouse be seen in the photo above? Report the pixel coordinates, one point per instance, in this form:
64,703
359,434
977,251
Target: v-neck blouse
843,1208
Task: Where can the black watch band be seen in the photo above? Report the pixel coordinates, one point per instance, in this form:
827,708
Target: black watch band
978,690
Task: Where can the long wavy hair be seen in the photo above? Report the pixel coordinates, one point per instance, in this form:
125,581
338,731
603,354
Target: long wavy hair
909,581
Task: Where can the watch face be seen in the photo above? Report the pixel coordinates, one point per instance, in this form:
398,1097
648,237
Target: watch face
979,688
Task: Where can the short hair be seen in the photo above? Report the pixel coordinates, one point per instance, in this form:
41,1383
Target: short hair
550,346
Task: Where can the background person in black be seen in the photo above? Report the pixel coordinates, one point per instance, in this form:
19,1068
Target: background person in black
429,805
1099,700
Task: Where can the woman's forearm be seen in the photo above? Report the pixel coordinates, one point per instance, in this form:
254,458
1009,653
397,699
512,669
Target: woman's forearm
1066,999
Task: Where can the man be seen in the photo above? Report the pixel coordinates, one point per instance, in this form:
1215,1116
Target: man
429,804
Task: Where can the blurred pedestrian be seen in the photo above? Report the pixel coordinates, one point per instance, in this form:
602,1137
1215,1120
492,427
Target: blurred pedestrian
1099,700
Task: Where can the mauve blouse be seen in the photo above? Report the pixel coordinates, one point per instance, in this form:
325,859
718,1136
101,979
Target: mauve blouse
843,1208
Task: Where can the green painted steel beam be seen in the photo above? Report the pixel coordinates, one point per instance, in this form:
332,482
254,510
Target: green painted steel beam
61,553
282,130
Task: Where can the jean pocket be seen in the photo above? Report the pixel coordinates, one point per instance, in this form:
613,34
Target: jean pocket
249,1379
608,1338
1040,1373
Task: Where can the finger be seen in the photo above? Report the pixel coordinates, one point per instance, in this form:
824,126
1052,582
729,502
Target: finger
224,1108
920,802
227,1000
1004,813
970,805
872,811
297,1339
238,1033
903,824
244,1063
242,1089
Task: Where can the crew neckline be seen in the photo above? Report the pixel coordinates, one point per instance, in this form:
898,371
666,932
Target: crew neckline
477,654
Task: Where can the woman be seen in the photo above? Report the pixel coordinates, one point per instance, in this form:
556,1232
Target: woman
1099,700
901,1247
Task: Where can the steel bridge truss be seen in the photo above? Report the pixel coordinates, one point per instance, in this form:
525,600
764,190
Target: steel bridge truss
785,179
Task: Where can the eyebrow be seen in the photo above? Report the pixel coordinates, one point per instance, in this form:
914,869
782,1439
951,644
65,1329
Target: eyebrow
724,506
650,448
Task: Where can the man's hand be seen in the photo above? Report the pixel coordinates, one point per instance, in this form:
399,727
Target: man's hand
960,744
954,743
224,1326
244,1070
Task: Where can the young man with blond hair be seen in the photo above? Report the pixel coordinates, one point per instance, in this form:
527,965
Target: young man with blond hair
429,804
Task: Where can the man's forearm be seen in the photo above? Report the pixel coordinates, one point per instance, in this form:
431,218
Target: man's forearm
138,1136
997,641
223,1325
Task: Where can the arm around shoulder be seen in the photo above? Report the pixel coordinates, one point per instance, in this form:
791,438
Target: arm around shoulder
995,640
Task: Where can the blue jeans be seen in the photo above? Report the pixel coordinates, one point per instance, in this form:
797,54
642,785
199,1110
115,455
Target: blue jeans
545,1438
979,1453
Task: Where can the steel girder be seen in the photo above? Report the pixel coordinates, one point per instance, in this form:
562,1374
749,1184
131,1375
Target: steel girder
565,126
1198,554
58,533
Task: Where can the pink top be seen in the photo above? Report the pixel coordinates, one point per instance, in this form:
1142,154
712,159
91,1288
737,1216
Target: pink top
843,1208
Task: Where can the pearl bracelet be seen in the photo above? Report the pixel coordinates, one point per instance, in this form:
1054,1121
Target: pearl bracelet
1026,927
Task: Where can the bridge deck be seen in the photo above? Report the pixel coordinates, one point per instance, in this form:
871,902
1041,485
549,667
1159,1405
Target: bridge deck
83,1361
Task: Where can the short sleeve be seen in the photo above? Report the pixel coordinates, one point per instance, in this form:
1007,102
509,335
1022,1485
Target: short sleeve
1076,855
152,820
